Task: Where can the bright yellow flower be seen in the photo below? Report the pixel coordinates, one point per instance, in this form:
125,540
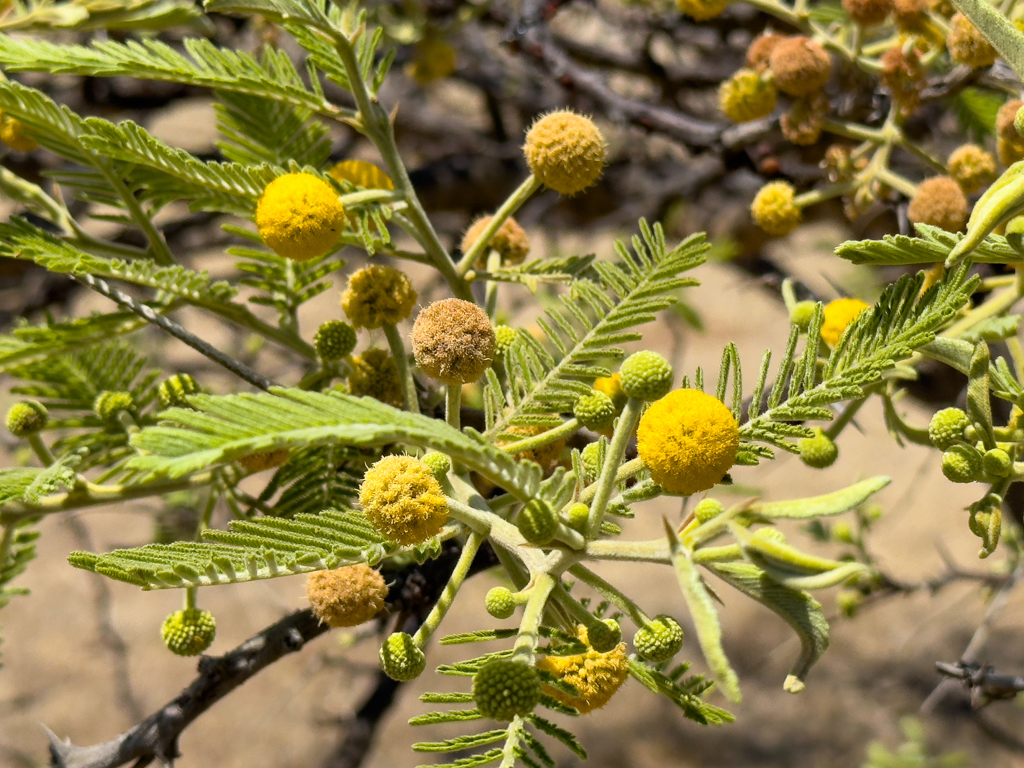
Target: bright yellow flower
299,216
403,500
565,151
597,676
838,315
377,295
688,440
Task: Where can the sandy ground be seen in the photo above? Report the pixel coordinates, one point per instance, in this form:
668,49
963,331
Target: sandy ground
879,668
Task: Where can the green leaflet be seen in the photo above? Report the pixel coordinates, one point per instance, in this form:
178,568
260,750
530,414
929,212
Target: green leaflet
15,481
1003,199
705,617
933,246
772,555
797,608
833,503
223,429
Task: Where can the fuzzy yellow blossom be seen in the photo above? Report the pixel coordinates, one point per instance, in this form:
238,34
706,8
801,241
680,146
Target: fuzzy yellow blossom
375,374
702,10
838,315
346,597
377,295
299,216
688,440
597,676
967,45
510,241
971,167
747,96
612,386
361,174
403,500
453,341
565,151
774,208
12,133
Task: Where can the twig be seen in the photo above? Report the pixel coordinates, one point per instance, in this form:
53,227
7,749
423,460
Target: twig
982,681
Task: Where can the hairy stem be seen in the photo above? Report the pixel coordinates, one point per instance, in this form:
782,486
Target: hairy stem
412,402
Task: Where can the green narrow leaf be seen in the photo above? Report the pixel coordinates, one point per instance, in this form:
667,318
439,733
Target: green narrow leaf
828,504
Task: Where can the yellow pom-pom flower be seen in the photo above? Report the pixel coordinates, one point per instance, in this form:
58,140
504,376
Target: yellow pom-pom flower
377,295
967,45
747,96
971,167
597,676
299,216
375,374
13,134
612,386
403,500
774,208
702,10
565,151
688,440
940,202
838,315
346,597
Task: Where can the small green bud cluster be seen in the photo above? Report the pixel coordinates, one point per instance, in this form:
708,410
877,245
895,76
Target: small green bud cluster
334,340
997,462
818,451
401,659
27,418
595,410
578,516
189,632
646,375
590,458
504,338
504,689
174,391
108,404
604,635
708,509
802,313
537,522
500,602
660,640
440,464
946,428
962,464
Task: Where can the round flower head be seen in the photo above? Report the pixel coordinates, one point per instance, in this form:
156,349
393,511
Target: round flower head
818,451
174,390
401,659
579,514
500,602
375,374
545,455
13,134
346,597
537,522
802,314
504,338
838,315
702,10
708,509
967,45
440,464
334,340
565,151
299,216
909,13
503,689
904,76
997,462
377,295
868,13
660,640
27,418
189,632
801,66
108,404
1006,120
646,375
264,460
747,96
962,464
403,500
760,50
595,410
971,167
774,209
688,440
510,241
612,386
453,341
596,676
941,202
804,120
602,635
946,428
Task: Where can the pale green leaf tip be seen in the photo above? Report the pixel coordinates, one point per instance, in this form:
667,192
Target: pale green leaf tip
793,684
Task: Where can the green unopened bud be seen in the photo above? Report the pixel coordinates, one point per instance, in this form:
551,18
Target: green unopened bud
590,456
174,391
946,428
439,463
962,464
504,689
818,451
708,509
108,404
595,410
500,602
660,640
401,659
843,532
27,418
997,462
189,632
537,522
604,635
578,516
504,338
802,313
849,601
334,340
646,375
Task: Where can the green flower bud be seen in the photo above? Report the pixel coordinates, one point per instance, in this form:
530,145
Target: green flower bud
646,375
189,632
589,458
401,659
802,313
439,463
962,464
660,640
604,635
843,532
27,418
578,516
848,601
504,338
334,340
707,509
595,410
997,462
770,533
504,689
946,428
108,404
174,391
537,522
818,451
500,602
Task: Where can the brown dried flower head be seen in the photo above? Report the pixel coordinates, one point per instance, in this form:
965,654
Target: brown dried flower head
801,66
904,77
760,50
940,202
972,167
909,13
967,45
868,13
802,123
511,241
375,374
346,597
453,341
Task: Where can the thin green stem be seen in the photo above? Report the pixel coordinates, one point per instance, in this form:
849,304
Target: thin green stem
610,593
838,424
190,598
7,543
491,287
512,204
565,429
444,602
453,405
157,245
529,635
624,430
412,402
40,450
